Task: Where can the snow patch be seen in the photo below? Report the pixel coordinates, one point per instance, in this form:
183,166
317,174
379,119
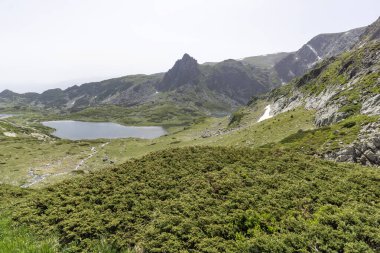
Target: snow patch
266,114
314,51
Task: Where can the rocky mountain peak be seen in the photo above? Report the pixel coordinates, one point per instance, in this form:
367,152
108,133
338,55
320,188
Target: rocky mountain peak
187,57
185,71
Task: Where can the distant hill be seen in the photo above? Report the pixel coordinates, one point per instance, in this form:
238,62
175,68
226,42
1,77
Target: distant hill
213,89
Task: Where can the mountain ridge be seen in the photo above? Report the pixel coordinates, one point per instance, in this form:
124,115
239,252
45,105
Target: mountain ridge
221,87
319,47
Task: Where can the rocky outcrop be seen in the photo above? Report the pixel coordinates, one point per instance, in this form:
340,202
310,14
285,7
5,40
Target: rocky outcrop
371,106
185,71
365,150
350,82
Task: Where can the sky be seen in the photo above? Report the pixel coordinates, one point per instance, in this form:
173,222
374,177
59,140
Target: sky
59,43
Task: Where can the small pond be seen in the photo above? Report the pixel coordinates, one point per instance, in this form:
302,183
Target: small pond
80,130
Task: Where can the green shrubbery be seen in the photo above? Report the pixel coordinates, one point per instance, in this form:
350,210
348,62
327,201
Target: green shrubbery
19,238
236,118
213,200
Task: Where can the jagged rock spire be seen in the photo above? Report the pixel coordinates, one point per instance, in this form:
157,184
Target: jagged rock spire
185,71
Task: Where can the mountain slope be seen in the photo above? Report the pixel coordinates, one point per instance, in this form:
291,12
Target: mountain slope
345,87
320,47
371,33
267,61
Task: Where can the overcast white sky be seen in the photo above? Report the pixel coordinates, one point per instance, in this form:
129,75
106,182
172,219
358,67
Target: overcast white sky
59,43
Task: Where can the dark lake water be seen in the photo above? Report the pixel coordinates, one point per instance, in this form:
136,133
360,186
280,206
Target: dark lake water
80,130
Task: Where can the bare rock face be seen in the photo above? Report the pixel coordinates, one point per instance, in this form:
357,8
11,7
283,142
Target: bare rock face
185,71
371,106
365,150
284,103
328,115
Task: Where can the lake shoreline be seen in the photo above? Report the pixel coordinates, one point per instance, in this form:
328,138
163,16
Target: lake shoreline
85,130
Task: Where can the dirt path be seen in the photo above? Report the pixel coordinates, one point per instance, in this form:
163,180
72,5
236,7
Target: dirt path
37,178
93,152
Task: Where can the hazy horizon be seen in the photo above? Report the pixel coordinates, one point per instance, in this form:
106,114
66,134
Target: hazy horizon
57,44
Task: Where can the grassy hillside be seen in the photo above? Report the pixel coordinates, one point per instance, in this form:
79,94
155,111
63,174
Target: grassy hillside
213,200
51,160
323,140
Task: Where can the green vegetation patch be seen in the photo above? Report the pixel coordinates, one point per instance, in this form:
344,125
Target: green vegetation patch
236,118
268,131
164,114
325,139
204,199
15,238
371,82
20,239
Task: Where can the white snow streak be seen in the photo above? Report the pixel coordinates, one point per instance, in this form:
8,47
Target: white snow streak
314,51
266,114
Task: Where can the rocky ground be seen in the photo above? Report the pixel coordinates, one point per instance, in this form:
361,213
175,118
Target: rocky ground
364,150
